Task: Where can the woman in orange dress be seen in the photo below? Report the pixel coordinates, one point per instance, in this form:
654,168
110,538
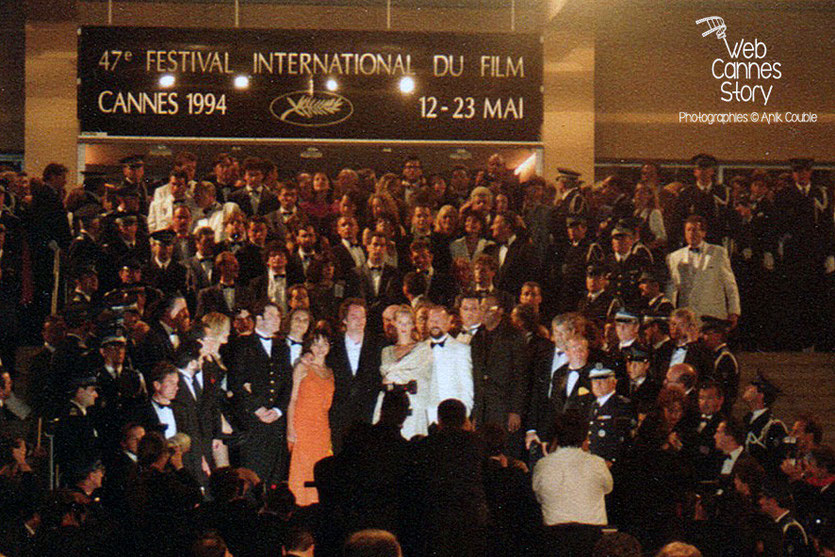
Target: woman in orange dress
308,428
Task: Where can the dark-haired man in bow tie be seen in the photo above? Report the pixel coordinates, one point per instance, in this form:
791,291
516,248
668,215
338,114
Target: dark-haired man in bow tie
227,295
377,283
274,285
200,269
301,259
701,277
452,364
347,251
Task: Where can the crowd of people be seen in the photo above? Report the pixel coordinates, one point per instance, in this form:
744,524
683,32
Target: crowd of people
453,364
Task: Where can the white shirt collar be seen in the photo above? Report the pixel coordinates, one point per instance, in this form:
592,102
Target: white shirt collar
603,399
757,413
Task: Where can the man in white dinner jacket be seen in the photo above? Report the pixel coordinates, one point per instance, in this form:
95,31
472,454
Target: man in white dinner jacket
701,277
452,365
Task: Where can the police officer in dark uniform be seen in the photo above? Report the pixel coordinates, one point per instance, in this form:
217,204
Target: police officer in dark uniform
764,433
725,366
612,418
653,300
121,389
133,170
639,386
706,198
598,304
627,262
163,272
805,228
572,256
572,204
612,421
76,437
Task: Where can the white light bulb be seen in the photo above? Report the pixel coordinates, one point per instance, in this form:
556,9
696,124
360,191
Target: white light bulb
241,82
167,80
331,84
407,84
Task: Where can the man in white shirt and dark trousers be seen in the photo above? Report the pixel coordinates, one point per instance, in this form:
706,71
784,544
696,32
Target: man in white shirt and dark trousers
571,486
355,361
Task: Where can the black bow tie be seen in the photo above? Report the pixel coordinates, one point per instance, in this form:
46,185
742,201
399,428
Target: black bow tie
707,417
264,338
294,342
229,287
287,213
282,275
376,269
204,259
695,250
441,343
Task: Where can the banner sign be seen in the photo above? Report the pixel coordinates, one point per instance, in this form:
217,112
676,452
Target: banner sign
317,84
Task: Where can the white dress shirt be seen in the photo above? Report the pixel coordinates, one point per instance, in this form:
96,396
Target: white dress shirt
353,350
166,417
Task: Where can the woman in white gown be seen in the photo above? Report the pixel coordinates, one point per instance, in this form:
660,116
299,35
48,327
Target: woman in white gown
406,361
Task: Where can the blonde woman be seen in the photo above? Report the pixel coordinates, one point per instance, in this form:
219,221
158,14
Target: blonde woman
407,365
648,212
217,327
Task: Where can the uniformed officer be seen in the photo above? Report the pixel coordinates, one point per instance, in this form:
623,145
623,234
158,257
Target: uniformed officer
706,198
612,418
805,257
598,304
725,366
627,262
133,171
162,271
764,433
571,258
639,386
572,203
76,437
653,300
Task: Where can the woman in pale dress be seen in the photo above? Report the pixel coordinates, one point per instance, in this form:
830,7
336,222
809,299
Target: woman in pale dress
406,361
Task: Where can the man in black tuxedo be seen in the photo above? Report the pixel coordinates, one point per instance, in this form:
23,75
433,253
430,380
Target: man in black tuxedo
251,255
441,288
355,361
262,384
517,260
227,295
162,272
171,321
196,410
564,384
127,244
254,198
274,285
200,268
347,251
706,458
655,336
301,259
375,282
500,359
689,347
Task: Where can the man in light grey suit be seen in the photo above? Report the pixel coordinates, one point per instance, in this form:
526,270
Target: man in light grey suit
452,366
701,277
